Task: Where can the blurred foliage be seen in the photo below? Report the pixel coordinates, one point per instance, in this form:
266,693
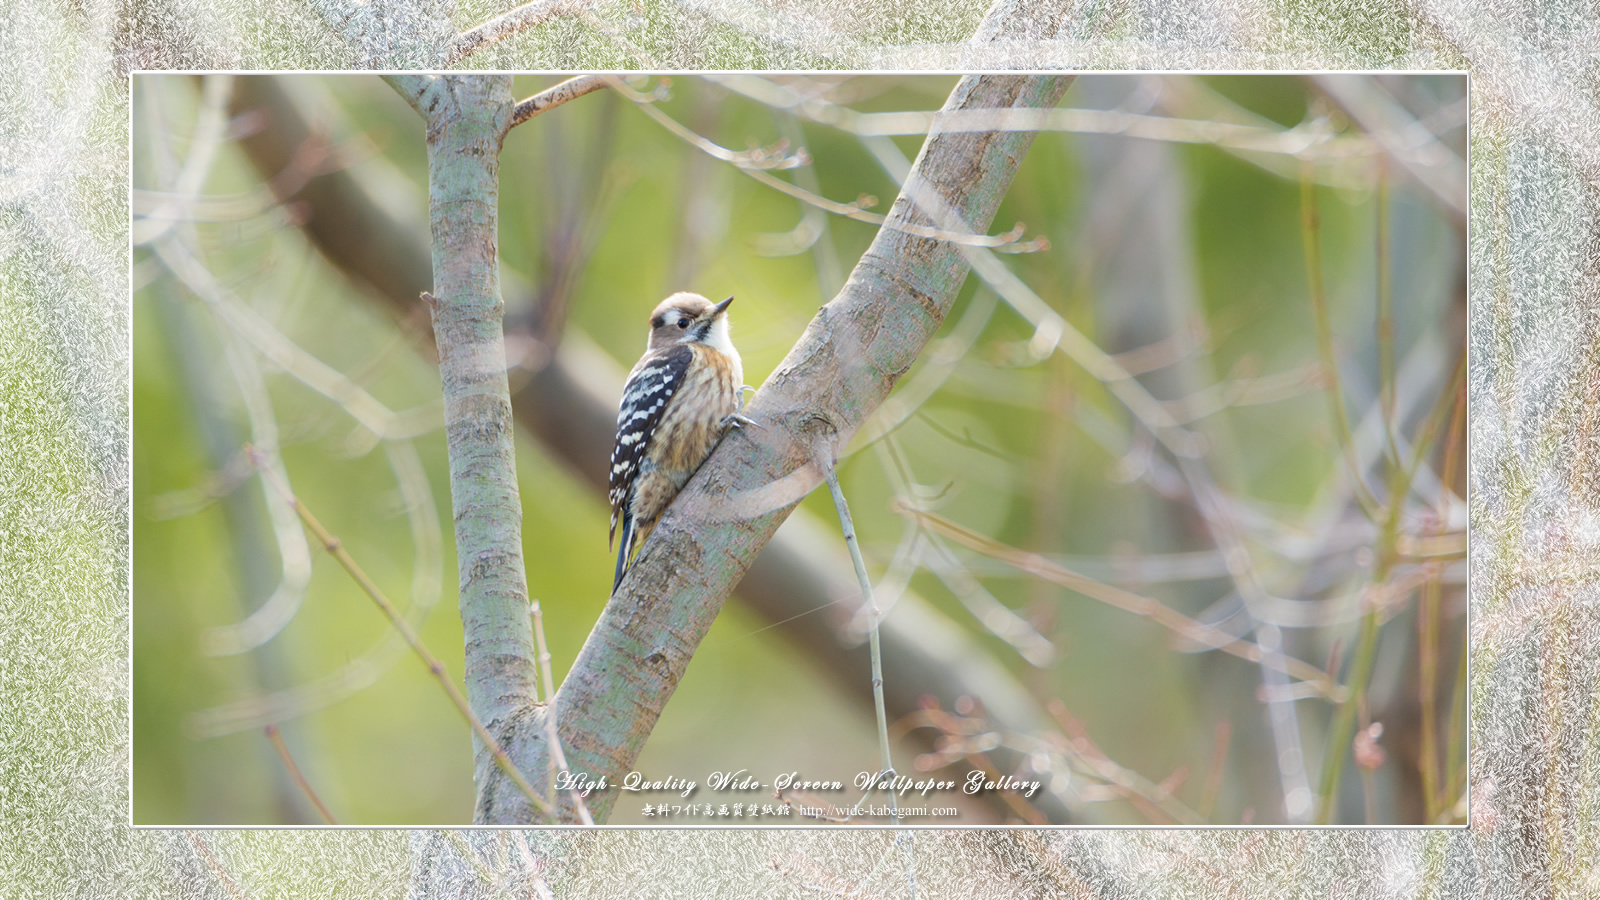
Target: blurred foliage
1014,449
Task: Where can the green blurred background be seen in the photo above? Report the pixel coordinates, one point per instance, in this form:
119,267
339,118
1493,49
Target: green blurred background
1186,249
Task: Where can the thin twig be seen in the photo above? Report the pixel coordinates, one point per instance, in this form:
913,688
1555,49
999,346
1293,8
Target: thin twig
210,133
1428,677
558,757
876,650
435,667
1018,804
1410,142
1052,332
294,554
1400,478
994,616
360,671
773,157
524,17
1429,640
757,163
295,773
550,98
1385,319
849,529
1311,227
1223,526
1342,730
1213,783
371,413
1316,679
1310,140
1152,799
1455,772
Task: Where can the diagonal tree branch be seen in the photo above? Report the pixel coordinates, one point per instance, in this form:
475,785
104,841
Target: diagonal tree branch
840,371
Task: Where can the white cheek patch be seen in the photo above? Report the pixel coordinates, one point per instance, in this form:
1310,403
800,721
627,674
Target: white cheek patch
717,338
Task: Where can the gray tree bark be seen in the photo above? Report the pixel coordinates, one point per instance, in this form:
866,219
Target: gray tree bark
467,118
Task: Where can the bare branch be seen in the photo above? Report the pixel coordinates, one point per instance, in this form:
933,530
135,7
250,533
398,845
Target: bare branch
1313,140
294,771
763,158
1127,601
871,605
254,328
1406,140
1052,332
757,165
558,756
412,88
207,140
435,668
571,89
362,670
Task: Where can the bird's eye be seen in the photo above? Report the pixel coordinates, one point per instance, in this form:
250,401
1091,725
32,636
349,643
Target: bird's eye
683,323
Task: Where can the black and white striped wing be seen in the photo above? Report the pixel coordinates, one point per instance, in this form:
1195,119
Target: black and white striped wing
651,385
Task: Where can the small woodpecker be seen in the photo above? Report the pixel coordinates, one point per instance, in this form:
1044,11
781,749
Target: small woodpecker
681,397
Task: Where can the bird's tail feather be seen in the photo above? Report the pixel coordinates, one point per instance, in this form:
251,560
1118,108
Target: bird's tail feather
623,550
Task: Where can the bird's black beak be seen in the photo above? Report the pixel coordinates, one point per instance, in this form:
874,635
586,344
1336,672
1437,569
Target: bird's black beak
720,308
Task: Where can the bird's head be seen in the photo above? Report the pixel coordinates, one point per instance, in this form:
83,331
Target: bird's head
686,318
